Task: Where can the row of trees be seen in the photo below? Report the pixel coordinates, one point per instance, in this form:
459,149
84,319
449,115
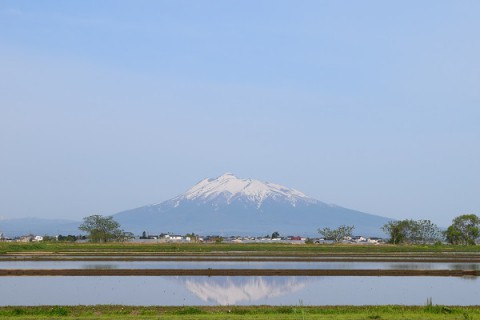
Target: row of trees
412,231
338,234
465,230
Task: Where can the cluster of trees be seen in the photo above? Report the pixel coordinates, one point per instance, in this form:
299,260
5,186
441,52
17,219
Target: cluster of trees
68,238
338,234
412,231
465,230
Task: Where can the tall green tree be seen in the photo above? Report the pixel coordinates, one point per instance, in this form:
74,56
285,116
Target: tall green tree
411,231
465,230
338,234
102,229
397,231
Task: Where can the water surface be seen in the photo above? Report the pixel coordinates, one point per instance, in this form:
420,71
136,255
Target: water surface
174,291
233,265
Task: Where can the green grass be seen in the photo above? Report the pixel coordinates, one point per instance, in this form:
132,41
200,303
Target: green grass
269,248
254,312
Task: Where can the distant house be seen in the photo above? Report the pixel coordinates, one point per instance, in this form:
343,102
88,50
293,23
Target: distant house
374,240
37,238
27,238
173,237
358,239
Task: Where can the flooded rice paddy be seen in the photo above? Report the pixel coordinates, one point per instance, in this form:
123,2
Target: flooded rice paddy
175,290
236,265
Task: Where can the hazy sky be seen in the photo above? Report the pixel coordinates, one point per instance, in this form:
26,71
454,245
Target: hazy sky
111,105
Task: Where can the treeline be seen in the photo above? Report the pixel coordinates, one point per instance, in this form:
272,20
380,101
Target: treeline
464,230
67,238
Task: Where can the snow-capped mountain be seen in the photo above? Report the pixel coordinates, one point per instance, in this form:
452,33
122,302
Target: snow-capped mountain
228,189
227,291
228,205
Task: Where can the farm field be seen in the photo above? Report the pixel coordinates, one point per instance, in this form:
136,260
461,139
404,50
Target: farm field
206,276
261,313
225,248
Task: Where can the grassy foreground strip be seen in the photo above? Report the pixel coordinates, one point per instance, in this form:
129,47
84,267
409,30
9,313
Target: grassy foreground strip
224,248
251,312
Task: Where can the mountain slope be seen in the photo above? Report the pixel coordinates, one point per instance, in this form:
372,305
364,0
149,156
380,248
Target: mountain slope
228,205
38,226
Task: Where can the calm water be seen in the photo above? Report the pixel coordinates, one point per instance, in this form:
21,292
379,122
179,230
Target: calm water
138,290
238,290
231,265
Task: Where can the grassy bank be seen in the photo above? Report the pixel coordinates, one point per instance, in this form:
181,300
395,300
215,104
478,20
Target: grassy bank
251,248
224,313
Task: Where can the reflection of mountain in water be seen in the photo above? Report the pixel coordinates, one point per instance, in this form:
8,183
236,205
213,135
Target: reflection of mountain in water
233,290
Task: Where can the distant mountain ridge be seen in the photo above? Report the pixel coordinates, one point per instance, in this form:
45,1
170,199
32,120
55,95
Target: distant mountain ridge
228,205
38,226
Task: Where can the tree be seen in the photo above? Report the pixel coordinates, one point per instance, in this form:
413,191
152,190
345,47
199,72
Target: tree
102,229
397,230
411,231
126,236
464,230
275,235
69,238
426,232
338,234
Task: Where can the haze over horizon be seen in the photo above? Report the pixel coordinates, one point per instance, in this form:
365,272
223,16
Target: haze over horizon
112,105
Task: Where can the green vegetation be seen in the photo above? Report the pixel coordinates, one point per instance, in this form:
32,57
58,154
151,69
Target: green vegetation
338,234
252,312
411,231
464,230
275,235
103,229
223,248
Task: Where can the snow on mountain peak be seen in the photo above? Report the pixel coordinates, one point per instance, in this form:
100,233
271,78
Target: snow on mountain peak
230,187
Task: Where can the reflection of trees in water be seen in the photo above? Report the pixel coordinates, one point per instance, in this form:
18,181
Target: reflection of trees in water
411,266
470,266
470,278
464,266
431,266
233,290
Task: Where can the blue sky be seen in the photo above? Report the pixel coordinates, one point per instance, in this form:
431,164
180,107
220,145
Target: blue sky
111,105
